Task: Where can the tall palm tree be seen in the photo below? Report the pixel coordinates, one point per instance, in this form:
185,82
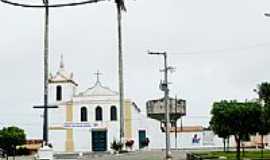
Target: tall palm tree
120,5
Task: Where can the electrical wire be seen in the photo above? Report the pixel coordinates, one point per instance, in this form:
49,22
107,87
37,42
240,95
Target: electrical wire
220,51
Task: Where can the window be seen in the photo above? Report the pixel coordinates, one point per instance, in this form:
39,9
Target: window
83,114
113,113
98,113
58,93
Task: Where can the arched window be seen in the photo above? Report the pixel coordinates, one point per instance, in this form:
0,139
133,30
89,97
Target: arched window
99,114
59,93
113,113
83,114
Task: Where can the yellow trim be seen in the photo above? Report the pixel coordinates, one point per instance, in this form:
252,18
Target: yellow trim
69,113
57,128
127,120
69,132
69,140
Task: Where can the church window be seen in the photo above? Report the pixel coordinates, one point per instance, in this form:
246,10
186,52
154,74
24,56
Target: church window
83,114
99,114
113,113
58,93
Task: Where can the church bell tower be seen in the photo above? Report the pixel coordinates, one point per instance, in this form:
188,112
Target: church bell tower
62,87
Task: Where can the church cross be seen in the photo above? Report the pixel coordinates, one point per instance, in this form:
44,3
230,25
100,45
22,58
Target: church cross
98,74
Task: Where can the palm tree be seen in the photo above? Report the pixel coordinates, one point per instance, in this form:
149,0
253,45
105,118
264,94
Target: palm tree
120,7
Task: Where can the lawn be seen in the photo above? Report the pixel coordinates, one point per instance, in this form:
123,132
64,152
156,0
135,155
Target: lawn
231,155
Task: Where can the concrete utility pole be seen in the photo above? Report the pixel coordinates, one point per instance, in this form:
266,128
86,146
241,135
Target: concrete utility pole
164,87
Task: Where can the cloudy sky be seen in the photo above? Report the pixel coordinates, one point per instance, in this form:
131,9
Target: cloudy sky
220,49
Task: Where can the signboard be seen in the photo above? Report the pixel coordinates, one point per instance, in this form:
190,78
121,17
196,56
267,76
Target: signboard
84,125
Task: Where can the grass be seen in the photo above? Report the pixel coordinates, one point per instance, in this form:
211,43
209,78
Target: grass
232,154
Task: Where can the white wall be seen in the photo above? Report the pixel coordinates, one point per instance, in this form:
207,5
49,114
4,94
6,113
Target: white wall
157,137
83,136
82,139
57,139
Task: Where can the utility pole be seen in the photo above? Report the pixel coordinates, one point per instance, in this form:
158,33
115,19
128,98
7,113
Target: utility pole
164,87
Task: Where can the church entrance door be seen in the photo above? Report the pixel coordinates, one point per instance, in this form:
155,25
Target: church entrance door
142,137
99,141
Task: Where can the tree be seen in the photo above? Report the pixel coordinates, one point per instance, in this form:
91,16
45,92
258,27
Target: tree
264,97
10,138
218,123
264,92
237,119
120,6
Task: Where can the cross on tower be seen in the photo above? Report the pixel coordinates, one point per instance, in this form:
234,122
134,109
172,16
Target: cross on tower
98,74
62,61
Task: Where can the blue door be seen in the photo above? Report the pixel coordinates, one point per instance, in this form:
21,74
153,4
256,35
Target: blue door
142,137
99,141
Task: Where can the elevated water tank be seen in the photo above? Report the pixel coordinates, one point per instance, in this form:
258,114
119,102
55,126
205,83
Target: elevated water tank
156,109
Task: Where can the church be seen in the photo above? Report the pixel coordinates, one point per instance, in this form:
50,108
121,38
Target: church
88,120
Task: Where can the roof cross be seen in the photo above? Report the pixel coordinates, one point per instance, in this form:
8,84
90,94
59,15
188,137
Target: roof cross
98,74
62,61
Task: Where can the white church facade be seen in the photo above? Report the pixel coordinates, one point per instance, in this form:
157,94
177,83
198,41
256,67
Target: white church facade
89,120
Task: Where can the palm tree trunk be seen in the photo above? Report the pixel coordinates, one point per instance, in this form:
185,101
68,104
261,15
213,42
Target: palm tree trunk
120,71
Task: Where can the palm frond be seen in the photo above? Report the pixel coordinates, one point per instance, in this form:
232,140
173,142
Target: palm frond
121,4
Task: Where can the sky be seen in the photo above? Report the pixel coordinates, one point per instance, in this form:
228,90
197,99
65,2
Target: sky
220,49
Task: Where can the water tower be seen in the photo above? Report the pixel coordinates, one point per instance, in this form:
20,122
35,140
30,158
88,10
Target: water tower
156,109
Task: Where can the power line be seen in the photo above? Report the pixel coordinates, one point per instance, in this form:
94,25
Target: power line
222,50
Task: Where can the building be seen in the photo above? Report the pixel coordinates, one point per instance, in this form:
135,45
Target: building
89,120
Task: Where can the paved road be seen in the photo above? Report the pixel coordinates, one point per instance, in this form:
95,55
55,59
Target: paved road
140,155
137,155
